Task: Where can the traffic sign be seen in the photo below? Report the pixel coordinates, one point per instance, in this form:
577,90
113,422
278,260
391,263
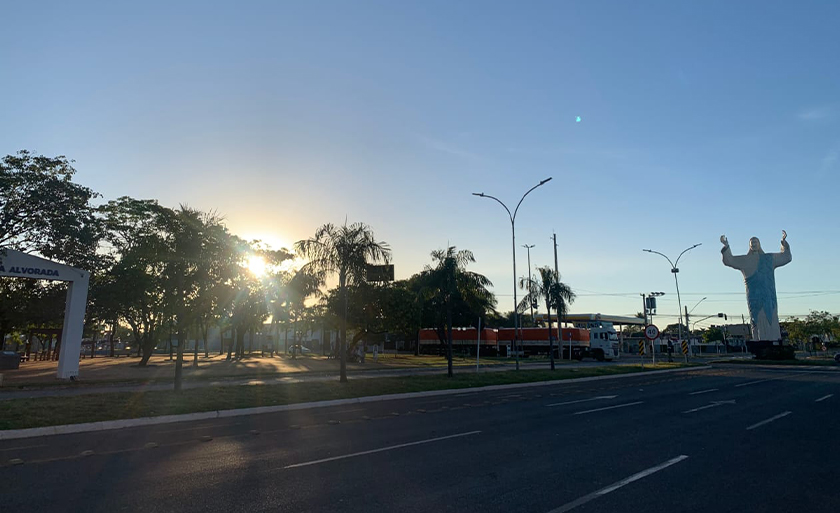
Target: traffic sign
641,347
651,332
685,347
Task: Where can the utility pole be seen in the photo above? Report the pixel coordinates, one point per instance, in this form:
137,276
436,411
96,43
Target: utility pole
688,329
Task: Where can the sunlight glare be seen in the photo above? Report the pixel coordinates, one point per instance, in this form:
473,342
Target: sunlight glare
257,265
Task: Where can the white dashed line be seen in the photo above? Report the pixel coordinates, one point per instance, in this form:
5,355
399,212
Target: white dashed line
607,408
704,391
383,449
752,383
823,398
771,419
613,487
599,398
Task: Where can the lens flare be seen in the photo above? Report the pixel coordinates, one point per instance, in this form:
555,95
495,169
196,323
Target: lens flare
257,266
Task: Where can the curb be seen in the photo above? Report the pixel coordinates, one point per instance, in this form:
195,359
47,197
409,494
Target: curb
66,429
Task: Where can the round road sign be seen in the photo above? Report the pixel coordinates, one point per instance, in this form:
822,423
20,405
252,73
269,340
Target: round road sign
651,332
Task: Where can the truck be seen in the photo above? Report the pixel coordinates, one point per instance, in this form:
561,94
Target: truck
603,343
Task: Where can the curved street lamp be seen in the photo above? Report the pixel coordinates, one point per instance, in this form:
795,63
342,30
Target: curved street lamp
675,270
513,245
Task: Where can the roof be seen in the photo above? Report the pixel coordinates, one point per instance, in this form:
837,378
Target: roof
615,319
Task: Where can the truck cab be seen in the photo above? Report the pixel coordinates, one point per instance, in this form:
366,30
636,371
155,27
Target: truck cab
603,339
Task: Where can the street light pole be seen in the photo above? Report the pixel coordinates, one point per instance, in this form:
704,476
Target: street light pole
513,247
528,247
675,270
688,323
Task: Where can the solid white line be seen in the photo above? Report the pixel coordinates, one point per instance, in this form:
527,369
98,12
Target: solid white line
704,391
771,419
753,382
382,449
599,398
619,484
823,398
607,408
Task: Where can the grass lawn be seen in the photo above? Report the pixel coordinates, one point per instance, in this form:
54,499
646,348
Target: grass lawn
103,370
50,411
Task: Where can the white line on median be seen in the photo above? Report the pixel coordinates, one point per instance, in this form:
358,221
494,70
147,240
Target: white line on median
382,449
619,484
771,419
607,408
823,398
599,398
704,391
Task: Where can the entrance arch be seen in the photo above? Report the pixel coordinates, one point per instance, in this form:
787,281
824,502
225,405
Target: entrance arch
15,264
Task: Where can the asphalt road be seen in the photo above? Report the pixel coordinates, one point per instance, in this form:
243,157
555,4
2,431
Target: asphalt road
725,439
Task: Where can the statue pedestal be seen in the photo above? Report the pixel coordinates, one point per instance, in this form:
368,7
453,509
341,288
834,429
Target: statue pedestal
771,350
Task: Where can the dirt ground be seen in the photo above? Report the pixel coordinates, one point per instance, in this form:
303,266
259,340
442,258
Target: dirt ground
161,368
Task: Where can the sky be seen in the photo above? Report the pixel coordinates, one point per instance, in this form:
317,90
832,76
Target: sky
696,119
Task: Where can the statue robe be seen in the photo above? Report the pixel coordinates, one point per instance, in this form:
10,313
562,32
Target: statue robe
758,269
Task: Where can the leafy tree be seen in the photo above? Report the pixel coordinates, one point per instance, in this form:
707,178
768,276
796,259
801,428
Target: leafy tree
547,286
450,287
713,334
304,284
501,320
43,211
346,251
136,236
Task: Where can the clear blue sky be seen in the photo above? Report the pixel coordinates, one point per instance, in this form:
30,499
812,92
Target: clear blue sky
697,119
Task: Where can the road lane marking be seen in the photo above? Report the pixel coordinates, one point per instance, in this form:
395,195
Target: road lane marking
771,419
382,449
599,398
704,391
823,398
607,408
752,383
714,404
615,486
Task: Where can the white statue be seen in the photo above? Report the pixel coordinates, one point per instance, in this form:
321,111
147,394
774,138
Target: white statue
758,268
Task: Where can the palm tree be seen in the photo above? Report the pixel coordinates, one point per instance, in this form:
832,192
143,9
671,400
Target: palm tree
449,283
346,251
557,295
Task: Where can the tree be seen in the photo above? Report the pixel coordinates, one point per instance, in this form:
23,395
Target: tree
137,238
557,296
450,285
713,334
304,284
43,211
345,251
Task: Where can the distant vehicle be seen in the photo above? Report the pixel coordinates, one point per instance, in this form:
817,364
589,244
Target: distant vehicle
299,349
837,358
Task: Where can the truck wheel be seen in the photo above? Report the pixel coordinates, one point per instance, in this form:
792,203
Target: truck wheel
598,354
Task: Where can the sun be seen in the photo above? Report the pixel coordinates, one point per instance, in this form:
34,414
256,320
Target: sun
257,265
